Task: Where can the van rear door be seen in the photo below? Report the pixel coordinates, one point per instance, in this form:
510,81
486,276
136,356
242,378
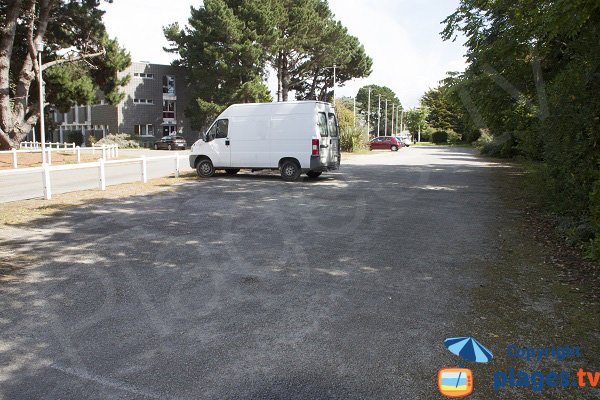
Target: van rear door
334,141
323,129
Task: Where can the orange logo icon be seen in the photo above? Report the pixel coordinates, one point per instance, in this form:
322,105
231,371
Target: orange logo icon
455,382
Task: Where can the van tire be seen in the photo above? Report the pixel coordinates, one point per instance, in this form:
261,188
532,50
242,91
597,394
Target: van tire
205,168
394,148
232,171
313,174
290,171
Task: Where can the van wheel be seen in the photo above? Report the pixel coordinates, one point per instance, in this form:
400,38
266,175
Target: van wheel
290,171
232,171
394,148
313,174
205,169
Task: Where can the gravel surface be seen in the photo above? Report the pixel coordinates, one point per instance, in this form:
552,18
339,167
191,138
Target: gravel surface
248,287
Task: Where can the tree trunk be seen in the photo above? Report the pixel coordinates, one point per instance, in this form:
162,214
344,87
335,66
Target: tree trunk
6,47
279,76
285,77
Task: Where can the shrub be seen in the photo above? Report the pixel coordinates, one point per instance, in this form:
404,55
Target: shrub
502,146
353,139
439,137
92,139
124,140
453,137
75,137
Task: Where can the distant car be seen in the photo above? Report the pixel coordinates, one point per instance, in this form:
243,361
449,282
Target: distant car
385,143
170,143
406,140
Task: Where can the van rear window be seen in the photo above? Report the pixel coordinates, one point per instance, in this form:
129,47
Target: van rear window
322,124
333,126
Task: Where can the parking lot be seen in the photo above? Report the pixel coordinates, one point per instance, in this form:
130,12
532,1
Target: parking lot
251,287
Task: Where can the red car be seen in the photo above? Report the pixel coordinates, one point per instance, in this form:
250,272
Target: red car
385,143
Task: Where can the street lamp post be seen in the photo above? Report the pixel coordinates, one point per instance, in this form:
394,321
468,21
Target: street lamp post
386,115
334,76
393,113
40,48
369,116
379,116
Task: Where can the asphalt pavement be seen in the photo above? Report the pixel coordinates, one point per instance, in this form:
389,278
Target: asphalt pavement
30,185
248,287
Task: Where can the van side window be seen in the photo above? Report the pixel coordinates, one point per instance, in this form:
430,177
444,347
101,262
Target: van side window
219,130
322,124
333,126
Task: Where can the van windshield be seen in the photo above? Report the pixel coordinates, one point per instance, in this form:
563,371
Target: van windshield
333,126
322,124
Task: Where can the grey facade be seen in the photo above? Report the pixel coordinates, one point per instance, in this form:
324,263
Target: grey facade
154,106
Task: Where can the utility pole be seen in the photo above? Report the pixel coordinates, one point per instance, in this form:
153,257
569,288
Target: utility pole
386,114
354,111
369,117
402,121
379,116
334,70
398,119
419,133
393,113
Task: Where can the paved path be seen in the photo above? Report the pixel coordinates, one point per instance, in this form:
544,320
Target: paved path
30,185
248,287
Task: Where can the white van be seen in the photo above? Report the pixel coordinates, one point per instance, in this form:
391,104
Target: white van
293,137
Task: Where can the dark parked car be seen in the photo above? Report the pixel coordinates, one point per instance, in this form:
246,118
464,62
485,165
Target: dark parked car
170,143
385,143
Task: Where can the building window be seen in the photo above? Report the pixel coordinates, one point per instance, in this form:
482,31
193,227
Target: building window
143,130
169,85
168,109
143,75
143,101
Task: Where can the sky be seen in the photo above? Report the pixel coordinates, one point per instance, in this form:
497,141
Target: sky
402,37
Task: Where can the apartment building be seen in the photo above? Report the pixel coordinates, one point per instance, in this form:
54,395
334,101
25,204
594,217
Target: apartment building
154,106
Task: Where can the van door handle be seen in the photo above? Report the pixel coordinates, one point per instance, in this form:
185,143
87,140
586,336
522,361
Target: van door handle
324,147
226,142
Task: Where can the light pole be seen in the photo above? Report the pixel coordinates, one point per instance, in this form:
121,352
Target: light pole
393,113
40,48
354,111
402,121
379,116
386,115
369,117
334,70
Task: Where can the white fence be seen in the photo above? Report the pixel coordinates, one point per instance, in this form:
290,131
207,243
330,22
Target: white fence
38,145
47,171
107,151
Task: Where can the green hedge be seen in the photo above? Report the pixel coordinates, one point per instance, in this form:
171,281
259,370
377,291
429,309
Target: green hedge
439,137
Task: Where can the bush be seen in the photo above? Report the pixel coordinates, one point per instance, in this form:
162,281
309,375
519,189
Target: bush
75,137
92,139
453,137
439,137
353,139
502,146
124,141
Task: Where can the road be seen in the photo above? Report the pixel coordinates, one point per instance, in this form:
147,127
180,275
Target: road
248,287
30,185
